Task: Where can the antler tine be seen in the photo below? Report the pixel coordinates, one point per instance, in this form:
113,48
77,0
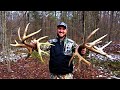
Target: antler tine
80,59
38,47
41,51
42,38
71,59
100,50
28,36
24,35
106,45
91,34
19,34
17,44
90,46
24,44
79,56
96,41
118,51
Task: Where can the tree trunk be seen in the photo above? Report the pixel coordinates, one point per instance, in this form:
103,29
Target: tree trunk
3,22
5,44
83,25
111,25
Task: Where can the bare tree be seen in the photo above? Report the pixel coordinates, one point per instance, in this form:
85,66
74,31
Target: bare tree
83,24
5,44
111,24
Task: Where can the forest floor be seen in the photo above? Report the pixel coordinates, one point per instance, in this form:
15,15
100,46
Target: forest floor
33,68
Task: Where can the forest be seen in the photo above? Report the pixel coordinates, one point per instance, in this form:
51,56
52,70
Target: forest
13,64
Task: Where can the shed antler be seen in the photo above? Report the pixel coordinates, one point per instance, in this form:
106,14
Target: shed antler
118,51
30,47
91,46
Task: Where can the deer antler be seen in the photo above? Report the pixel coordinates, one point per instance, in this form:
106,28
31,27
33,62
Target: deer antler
91,46
118,51
30,47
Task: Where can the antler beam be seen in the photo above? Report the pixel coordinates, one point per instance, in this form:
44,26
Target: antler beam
30,47
91,46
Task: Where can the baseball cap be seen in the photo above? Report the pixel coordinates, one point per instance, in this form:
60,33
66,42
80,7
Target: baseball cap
62,24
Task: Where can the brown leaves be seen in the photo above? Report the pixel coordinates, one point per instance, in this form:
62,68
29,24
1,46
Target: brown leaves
25,69
90,73
35,69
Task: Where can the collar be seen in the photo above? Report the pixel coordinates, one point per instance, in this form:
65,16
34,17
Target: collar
64,40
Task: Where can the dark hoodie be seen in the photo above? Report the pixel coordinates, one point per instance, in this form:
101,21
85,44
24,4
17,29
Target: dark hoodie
60,55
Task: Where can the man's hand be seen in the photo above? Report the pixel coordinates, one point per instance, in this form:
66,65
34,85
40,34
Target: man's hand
83,51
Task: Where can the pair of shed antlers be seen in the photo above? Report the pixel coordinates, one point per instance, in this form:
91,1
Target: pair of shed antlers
90,46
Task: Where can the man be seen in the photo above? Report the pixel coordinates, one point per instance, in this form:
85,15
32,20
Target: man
61,53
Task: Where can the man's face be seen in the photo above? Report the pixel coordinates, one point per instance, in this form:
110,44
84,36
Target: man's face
61,31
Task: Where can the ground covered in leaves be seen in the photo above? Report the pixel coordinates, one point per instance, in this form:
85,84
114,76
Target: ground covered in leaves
32,68
25,69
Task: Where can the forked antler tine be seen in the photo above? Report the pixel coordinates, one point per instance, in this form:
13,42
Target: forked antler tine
91,34
19,34
101,48
96,41
100,51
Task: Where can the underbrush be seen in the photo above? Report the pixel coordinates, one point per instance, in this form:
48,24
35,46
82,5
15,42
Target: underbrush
113,66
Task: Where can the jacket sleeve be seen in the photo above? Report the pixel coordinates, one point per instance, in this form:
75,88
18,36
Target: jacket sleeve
75,45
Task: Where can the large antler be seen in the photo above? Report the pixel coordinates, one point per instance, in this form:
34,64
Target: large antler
30,47
91,46
118,51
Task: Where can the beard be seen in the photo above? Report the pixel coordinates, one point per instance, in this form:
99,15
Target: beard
60,36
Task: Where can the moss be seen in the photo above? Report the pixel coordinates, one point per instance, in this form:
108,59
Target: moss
36,55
